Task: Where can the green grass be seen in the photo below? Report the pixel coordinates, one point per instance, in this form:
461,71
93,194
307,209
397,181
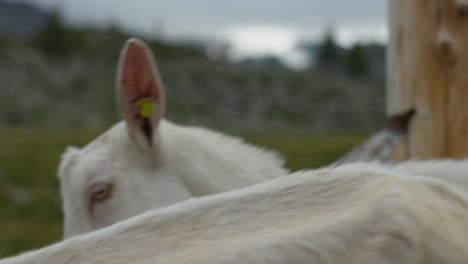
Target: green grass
307,150
28,162
29,159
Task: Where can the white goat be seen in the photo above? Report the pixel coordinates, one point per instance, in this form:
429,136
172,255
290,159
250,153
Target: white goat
145,162
358,213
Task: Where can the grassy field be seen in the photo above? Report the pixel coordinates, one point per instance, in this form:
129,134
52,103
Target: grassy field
30,208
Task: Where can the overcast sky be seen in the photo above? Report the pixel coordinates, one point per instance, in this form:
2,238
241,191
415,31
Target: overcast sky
251,26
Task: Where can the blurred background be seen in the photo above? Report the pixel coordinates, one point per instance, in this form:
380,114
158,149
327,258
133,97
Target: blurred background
302,77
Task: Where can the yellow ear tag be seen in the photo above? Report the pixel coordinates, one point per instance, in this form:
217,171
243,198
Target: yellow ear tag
146,106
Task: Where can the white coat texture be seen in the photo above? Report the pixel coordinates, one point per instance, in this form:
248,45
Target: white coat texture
146,162
357,213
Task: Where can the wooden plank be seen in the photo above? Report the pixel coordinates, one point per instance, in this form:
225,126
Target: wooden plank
427,70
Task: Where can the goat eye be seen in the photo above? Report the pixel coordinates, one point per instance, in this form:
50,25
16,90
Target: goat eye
100,192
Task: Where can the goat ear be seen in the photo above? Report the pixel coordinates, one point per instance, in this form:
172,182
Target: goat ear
68,160
140,93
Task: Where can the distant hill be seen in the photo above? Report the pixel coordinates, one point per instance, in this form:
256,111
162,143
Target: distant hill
373,54
20,18
264,62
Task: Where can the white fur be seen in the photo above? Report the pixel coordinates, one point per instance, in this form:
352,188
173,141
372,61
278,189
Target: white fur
453,171
150,162
358,213
190,162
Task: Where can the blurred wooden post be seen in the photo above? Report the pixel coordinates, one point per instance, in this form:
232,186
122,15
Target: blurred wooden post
427,71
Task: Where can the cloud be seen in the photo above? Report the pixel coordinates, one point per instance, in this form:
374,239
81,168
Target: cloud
215,15
248,40
268,26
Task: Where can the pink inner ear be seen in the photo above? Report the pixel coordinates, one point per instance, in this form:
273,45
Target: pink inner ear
137,72
138,81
